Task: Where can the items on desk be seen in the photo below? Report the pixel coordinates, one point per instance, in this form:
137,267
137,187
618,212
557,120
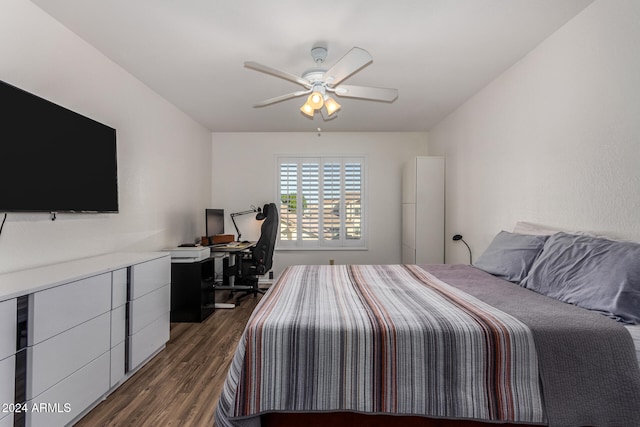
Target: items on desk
259,217
222,238
217,239
189,254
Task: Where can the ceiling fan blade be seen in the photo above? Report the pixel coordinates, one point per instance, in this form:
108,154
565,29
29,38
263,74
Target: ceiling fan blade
277,73
353,61
281,98
367,92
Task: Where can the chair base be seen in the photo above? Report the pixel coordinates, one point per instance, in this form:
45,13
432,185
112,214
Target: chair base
247,293
252,282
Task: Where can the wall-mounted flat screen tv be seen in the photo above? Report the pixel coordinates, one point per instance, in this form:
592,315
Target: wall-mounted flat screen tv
53,159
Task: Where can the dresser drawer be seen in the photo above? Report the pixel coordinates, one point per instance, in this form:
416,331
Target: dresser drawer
149,276
71,397
148,341
58,309
148,308
7,381
117,364
118,325
7,420
119,288
8,322
54,359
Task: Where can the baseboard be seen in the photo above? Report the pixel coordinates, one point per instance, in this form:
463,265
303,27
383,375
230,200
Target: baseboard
265,283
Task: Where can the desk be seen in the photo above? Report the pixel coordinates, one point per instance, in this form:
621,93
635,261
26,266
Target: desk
232,247
192,290
193,284
231,270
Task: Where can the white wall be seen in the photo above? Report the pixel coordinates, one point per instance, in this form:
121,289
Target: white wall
244,173
163,155
554,140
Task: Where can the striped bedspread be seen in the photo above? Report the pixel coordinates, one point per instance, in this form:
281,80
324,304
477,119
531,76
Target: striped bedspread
380,339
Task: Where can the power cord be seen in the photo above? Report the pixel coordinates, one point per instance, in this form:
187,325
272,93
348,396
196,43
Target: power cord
2,225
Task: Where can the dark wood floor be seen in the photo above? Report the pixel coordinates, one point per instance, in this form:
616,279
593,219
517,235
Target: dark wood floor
181,385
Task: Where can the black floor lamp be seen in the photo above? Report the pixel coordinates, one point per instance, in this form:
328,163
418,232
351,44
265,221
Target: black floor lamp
260,216
459,237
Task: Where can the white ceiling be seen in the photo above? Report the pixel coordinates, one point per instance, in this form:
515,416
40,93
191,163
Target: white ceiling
437,53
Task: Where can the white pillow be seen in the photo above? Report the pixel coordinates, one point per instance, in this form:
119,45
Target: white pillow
523,227
535,229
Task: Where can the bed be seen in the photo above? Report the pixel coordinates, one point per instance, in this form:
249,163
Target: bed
447,345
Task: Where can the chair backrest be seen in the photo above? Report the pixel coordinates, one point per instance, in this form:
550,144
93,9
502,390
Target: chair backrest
263,251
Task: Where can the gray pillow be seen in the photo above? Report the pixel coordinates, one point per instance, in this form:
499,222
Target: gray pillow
511,255
590,272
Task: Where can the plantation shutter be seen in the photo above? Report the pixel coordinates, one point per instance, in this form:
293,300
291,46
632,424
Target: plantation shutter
310,215
321,202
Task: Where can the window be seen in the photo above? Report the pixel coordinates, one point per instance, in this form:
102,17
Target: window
321,202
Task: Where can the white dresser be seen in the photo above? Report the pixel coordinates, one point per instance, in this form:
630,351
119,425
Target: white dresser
87,325
8,316
423,211
119,290
149,308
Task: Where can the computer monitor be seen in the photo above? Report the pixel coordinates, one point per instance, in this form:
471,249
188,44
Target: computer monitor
215,221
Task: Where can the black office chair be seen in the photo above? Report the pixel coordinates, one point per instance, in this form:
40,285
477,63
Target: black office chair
258,261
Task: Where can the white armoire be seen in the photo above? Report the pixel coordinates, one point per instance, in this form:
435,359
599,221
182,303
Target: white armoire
423,211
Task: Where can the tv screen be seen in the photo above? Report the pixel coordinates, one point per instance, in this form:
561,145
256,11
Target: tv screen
53,159
215,221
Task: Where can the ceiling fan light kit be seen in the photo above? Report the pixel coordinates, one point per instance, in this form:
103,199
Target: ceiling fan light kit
331,105
319,82
317,100
307,109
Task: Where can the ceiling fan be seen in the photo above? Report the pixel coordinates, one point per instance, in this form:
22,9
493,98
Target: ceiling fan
320,82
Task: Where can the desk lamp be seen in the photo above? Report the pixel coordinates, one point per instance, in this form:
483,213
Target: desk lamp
459,237
260,216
